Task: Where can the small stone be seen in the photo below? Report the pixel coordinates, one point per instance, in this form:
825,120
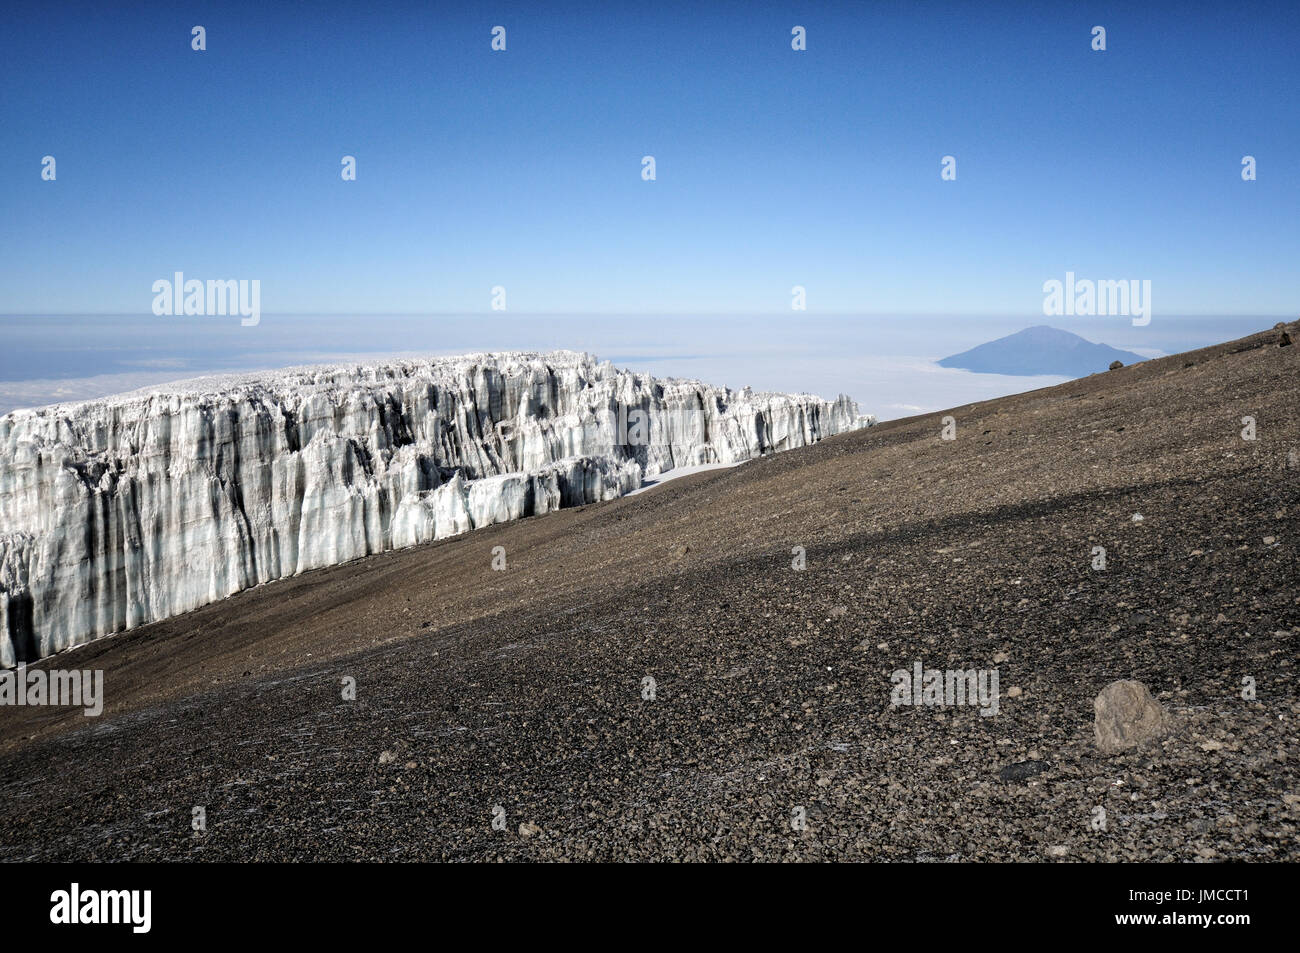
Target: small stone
1000,657
1060,850
386,757
1127,716
839,612
1013,691
1136,518
1116,365
529,829
1270,540
1022,770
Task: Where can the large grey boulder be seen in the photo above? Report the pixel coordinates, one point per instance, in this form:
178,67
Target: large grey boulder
1126,716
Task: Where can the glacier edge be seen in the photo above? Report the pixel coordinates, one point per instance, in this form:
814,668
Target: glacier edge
133,508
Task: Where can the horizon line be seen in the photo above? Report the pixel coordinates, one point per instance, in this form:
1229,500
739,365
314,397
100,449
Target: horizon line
638,314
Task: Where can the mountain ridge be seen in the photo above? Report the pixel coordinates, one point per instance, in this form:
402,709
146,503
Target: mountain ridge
651,678
1039,350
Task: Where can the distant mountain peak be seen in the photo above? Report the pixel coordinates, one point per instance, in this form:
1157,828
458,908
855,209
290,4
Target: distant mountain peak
1041,349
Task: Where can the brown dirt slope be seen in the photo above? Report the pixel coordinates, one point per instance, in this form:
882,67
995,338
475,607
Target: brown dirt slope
522,690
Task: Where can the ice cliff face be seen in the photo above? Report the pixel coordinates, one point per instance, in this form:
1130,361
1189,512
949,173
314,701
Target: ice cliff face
129,509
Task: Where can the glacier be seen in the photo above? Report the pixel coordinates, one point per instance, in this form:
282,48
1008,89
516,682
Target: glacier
129,509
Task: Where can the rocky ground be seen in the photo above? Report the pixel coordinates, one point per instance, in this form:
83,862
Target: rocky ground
518,694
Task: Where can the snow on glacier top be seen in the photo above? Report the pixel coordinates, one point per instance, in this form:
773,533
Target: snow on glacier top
340,376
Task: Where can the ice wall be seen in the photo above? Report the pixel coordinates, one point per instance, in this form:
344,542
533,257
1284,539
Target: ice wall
130,509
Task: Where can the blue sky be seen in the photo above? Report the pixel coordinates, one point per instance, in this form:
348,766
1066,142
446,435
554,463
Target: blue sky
775,168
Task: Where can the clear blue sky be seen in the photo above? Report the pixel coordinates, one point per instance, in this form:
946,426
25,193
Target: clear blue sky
775,168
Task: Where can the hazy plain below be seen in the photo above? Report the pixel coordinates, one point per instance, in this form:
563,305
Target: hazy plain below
885,362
